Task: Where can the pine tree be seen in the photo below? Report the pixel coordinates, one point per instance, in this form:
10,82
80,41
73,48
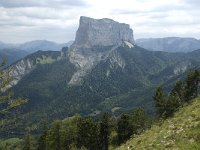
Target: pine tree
54,136
160,101
139,120
42,142
179,91
104,132
124,129
192,82
87,134
27,142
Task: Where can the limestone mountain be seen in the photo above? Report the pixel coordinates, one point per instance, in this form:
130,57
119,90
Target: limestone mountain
95,40
94,74
169,44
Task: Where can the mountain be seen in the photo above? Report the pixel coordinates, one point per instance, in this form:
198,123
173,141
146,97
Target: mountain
33,46
44,45
14,52
169,44
7,45
179,132
103,70
12,55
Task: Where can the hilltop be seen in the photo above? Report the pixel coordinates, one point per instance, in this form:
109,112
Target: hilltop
179,132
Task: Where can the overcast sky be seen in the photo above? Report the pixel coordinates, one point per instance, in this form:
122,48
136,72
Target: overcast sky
57,20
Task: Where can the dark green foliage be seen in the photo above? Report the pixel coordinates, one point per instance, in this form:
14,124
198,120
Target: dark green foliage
54,136
88,134
42,142
69,132
104,132
133,123
28,145
181,92
139,121
124,128
159,99
166,105
192,82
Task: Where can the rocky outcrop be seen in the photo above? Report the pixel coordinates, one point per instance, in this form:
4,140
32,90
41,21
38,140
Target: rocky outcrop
95,40
20,69
102,32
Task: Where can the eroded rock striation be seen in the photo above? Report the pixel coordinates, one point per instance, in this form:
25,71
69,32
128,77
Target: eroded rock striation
94,42
102,32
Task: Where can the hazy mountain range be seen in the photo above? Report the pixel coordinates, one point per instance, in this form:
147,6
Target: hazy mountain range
169,44
14,52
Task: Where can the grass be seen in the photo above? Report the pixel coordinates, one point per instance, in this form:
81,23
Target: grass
181,132
45,60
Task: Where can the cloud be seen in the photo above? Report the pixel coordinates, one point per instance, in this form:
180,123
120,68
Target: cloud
41,3
57,20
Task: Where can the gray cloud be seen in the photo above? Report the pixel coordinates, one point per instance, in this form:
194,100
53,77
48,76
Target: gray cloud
41,3
57,20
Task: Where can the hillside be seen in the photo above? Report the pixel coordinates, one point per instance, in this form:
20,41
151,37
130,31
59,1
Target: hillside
180,132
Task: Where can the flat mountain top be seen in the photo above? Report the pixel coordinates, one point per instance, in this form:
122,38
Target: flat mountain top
102,32
179,132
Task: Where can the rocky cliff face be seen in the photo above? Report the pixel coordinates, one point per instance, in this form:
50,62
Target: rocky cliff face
102,32
22,67
95,40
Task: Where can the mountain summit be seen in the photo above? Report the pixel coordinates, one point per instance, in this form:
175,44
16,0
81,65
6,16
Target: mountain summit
102,32
94,42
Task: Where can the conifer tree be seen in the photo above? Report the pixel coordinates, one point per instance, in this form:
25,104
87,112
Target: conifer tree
179,91
192,82
160,101
104,132
42,142
54,136
124,129
139,120
87,134
27,142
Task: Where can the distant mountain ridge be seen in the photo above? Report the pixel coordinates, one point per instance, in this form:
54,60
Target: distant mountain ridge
33,46
14,52
169,44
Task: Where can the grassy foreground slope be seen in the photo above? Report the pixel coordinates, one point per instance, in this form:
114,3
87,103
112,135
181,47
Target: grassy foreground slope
182,131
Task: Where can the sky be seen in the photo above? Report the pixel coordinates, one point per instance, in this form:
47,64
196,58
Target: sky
58,20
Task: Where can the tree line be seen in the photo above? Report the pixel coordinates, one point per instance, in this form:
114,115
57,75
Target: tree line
183,92
87,133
